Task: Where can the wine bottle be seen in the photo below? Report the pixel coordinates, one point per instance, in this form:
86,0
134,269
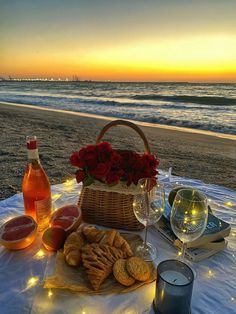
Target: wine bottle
36,187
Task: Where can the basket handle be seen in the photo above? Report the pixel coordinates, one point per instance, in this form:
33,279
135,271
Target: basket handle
125,123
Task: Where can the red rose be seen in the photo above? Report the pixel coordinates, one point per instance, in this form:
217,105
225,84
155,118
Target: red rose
129,160
90,148
82,152
150,160
116,158
101,170
105,151
74,159
91,160
103,163
112,177
80,175
81,163
85,150
104,147
88,156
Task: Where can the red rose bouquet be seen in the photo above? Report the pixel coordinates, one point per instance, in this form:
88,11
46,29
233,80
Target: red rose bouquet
101,162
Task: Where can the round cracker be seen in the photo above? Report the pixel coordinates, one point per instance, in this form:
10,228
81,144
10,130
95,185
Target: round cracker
121,274
138,268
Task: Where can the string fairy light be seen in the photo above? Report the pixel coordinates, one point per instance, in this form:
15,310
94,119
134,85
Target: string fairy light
230,204
40,254
130,311
232,298
56,196
68,184
210,274
50,293
32,281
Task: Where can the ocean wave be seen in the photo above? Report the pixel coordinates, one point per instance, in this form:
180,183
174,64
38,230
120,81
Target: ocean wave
205,107
125,103
205,100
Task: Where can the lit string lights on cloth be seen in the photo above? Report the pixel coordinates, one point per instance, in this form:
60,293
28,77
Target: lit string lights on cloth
69,185
32,281
40,254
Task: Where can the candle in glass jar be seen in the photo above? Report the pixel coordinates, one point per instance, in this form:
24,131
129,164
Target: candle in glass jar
173,288
174,277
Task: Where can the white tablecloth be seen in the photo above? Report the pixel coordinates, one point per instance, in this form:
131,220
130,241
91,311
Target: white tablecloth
214,287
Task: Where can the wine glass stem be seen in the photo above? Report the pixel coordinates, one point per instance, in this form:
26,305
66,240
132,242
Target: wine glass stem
145,238
184,246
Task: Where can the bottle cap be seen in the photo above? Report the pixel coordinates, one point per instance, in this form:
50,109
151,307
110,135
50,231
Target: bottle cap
31,142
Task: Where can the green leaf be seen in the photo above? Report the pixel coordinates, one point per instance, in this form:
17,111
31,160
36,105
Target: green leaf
87,181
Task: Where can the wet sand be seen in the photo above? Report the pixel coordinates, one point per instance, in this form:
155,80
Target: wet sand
209,158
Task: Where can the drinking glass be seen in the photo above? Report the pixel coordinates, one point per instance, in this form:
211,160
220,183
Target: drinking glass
188,216
148,206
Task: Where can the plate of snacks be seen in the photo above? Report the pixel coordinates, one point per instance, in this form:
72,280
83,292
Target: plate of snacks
97,261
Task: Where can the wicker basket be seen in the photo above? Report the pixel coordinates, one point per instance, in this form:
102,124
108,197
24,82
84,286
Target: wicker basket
111,207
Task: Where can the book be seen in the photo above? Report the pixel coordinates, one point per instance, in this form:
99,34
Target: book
216,229
211,242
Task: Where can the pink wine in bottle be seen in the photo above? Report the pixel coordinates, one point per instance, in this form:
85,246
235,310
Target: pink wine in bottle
36,187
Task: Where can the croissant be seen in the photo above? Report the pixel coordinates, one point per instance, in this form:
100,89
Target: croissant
109,237
92,234
98,261
72,247
121,243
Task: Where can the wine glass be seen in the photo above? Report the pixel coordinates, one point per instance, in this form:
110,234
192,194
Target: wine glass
188,216
148,206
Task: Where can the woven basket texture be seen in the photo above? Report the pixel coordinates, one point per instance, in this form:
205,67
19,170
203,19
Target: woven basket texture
111,209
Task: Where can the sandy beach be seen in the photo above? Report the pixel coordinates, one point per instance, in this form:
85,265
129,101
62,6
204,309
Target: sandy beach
193,155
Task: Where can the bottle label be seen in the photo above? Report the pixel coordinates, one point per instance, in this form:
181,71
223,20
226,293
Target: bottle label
43,212
33,154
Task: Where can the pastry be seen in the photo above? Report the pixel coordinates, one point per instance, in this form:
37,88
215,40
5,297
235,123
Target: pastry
98,261
138,268
120,273
74,242
110,237
92,234
73,257
121,243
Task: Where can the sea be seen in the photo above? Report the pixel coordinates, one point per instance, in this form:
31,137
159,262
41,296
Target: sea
209,107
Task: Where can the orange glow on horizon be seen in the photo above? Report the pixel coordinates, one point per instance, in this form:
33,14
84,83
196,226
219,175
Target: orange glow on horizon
195,58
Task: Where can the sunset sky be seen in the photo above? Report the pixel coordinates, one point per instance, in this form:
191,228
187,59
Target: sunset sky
127,40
